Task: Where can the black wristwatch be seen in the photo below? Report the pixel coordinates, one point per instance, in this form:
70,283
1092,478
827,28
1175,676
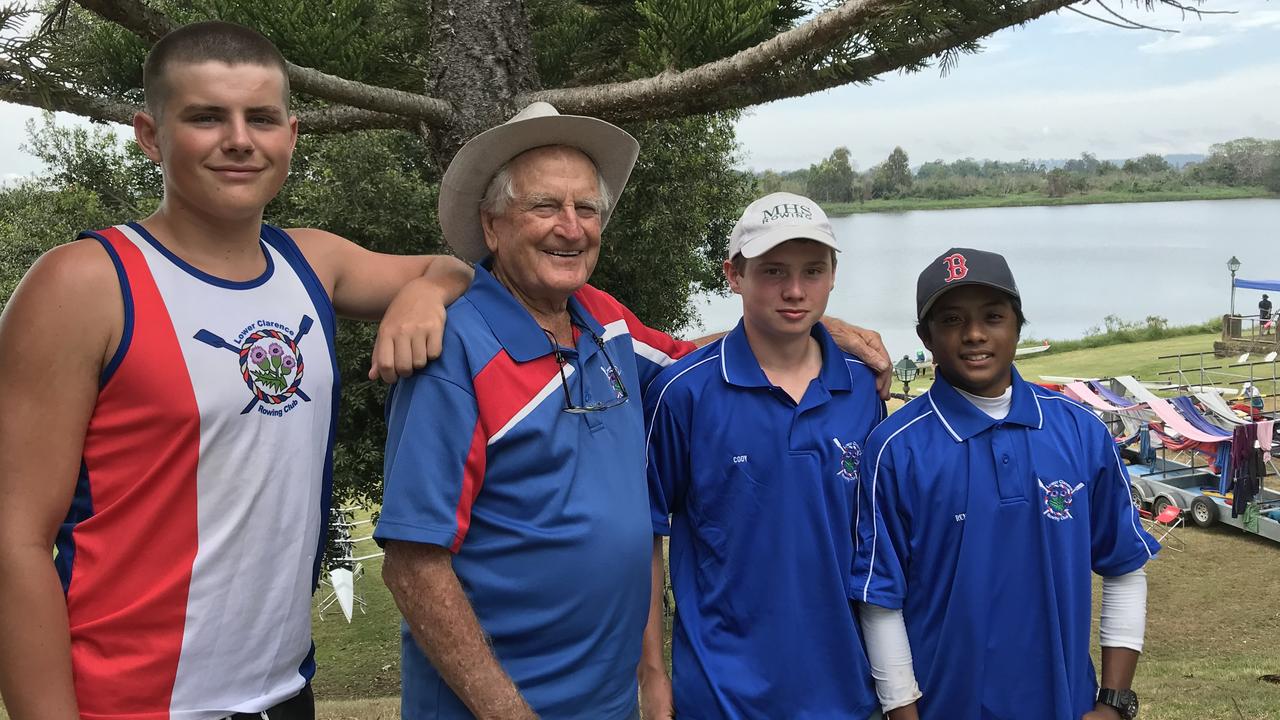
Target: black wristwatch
1124,701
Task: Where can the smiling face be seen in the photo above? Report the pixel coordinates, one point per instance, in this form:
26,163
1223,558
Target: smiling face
972,332
223,139
546,242
784,291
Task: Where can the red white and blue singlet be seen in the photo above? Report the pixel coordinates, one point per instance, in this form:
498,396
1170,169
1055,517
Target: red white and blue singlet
192,546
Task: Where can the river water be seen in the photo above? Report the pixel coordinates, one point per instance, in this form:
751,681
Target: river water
1074,264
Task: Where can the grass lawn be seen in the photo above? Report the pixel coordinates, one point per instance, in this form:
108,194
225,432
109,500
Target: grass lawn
1212,629
1137,359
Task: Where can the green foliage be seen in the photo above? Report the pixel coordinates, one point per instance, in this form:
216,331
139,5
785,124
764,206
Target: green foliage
1147,165
1271,178
892,178
356,39
35,218
90,182
679,34
669,235
1244,161
126,181
833,179
1239,168
1086,164
580,42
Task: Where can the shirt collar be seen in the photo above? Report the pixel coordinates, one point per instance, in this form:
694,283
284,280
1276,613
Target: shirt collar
963,420
511,323
738,364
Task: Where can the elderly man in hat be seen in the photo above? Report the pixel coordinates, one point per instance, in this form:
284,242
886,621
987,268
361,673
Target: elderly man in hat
515,512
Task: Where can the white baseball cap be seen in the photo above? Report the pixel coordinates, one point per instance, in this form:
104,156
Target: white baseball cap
777,218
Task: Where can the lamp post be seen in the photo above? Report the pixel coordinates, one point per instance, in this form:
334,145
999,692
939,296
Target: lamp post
906,371
1233,265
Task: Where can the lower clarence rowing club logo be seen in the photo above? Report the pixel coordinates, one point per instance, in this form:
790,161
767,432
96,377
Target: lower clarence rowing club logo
1057,498
850,454
270,363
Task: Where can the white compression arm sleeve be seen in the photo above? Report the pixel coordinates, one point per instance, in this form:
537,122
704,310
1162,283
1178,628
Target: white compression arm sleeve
1124,610
889,653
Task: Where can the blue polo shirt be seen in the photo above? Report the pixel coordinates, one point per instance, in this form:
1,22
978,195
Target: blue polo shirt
545,510
761,494
985,535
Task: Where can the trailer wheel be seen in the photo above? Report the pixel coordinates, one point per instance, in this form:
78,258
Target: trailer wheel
1159,504
1136,494
1204,512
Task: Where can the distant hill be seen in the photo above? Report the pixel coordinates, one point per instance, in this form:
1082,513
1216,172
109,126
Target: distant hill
1179,161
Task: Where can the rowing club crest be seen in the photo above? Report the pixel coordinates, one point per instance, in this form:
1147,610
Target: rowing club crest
850,453
1057,498
270,363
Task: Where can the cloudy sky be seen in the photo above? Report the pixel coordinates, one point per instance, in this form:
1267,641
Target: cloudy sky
1051,89
1058,86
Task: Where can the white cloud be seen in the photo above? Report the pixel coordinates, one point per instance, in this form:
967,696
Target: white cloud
1047,122
1180,43
1257,19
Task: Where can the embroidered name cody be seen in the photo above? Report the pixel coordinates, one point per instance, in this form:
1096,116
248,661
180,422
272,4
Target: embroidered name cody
787,210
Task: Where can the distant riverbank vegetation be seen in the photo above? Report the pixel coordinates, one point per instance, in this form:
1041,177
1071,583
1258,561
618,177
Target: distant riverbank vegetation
1242,168
1117,331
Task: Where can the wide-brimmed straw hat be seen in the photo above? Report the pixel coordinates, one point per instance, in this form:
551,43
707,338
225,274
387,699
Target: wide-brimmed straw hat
612,149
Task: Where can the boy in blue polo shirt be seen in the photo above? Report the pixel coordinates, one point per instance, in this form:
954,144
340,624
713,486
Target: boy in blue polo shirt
753,446
993,500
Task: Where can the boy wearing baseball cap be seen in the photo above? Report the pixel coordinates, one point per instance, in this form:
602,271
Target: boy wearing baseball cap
993,500
753,445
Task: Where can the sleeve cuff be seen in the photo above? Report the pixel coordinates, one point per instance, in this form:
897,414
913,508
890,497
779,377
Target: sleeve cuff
404,532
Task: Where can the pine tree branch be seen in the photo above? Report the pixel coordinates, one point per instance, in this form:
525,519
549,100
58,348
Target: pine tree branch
146,23
732,95
320,121
17,91
344,118
674,88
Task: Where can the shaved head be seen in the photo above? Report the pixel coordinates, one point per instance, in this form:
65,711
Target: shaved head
210,41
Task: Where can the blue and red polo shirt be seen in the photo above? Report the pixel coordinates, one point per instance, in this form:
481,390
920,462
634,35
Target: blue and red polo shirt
760,492
986,533
544,510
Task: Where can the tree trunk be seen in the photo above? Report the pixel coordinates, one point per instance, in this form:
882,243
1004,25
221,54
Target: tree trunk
482,58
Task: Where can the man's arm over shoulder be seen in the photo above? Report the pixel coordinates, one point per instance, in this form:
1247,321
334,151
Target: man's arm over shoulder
407,293
362,282
56,336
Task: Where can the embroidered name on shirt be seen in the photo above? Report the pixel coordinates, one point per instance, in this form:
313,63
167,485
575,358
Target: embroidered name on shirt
739,458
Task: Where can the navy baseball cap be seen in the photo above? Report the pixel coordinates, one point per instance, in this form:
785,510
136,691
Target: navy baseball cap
963,266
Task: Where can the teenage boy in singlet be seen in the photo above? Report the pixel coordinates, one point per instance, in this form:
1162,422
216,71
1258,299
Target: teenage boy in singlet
167,422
